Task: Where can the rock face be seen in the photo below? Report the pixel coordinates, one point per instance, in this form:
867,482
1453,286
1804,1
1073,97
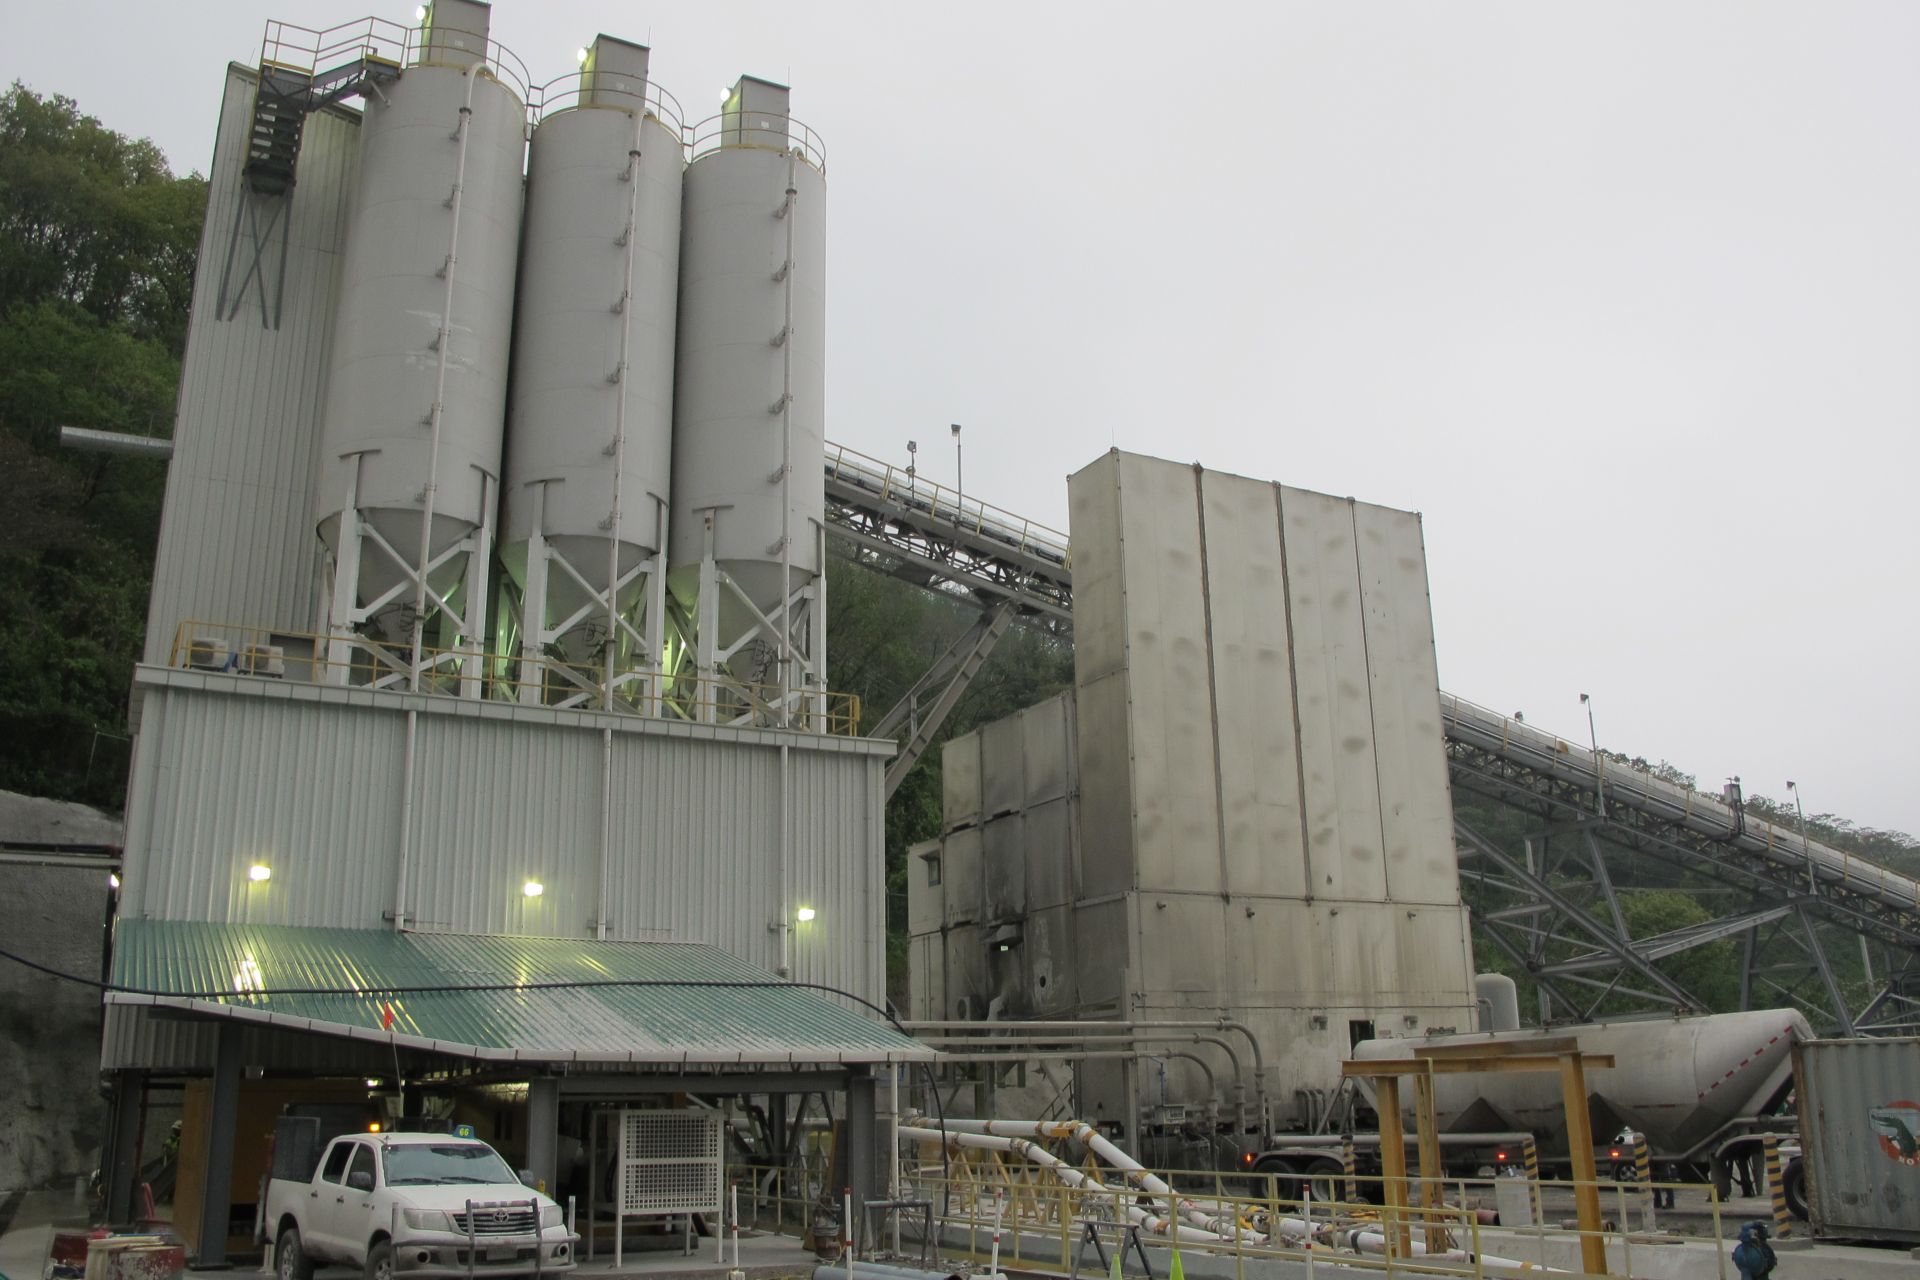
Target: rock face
50,1029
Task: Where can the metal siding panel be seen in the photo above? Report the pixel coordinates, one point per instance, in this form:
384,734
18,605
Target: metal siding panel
309,790
1047,842
1099,584
1002,767
1047,746
1182,945
960,781
1252,687
1176,818
926,903
1330,674
1102,947
964,877
1106,804
966,968
927,977
236,542
1004,859
1416,807
1050,962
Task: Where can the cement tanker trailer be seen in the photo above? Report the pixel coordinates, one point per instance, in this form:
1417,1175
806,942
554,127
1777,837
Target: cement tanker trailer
1702,1089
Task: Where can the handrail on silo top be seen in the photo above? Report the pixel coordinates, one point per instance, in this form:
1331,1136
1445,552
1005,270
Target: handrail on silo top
316,51
713,134
568,92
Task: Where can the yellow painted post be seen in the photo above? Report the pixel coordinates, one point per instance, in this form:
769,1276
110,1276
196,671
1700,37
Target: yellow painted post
1393,1164
1777,1187
1586,1178
1427,1131
1643,1170
1349,1192
1530,1156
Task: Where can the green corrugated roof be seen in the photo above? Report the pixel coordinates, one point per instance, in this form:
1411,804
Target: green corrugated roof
662,1002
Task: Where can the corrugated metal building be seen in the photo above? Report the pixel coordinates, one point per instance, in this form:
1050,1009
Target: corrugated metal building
310,845
1242,810
236,534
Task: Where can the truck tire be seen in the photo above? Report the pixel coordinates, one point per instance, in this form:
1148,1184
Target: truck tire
1793,1181
380,1260
290,1260
1327,1177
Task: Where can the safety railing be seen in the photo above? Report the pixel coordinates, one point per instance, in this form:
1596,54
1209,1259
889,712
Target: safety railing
1048,1226
365,662
893,484
764,130
317,51
596,89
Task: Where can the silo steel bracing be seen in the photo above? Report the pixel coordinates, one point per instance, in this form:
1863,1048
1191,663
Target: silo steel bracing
745,556
589,450
416,393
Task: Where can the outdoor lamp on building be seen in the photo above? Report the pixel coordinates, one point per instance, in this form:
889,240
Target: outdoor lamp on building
260,873
804,914
533,888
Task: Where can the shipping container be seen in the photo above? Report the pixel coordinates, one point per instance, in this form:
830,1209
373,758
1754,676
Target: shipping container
1860,1132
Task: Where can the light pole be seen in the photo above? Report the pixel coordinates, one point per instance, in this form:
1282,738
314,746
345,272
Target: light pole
1806,848
1599,776
959,476
913,450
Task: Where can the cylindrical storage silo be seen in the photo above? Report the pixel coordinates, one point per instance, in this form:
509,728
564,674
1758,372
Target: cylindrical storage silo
590,441
750,392
416,392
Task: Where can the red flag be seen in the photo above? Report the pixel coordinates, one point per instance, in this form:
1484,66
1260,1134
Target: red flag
386,1017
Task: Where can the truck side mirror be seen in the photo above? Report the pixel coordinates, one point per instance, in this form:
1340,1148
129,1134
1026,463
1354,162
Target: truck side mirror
360,1180
525,1176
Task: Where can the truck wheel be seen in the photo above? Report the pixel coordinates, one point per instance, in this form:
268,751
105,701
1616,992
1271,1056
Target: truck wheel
1327,1179
290,1260
380,1261
1794,1183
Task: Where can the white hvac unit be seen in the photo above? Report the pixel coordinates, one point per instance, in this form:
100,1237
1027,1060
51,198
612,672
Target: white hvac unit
264,660
209,653
670,1166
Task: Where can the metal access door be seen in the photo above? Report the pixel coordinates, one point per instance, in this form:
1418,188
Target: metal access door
670,1164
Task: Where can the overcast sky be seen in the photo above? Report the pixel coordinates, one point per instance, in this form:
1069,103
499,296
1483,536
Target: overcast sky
1625,298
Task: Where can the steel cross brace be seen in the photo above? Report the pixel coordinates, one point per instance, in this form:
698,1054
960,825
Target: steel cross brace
1607,939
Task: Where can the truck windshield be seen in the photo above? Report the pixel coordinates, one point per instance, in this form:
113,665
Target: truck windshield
421,1163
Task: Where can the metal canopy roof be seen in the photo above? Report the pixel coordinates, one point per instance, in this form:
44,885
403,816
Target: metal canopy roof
498,998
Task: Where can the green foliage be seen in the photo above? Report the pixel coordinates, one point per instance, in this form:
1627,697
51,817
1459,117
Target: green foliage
884,634
95,218
97,245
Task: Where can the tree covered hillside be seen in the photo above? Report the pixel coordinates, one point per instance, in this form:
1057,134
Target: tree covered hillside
97,245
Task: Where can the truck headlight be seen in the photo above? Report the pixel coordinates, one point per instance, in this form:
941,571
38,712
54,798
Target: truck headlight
428,1219
552,1216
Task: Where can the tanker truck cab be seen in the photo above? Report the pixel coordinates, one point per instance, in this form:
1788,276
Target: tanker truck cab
414,1204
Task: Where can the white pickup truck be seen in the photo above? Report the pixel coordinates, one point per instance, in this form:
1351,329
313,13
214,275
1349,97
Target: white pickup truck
413,1204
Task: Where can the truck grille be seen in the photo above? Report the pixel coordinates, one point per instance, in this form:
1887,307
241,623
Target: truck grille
503,1221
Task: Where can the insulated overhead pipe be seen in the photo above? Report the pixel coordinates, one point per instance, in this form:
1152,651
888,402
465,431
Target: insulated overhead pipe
1091,1029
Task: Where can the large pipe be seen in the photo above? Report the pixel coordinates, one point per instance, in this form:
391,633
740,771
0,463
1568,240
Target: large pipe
1078,1055
88,440
1093,1029
1206,1229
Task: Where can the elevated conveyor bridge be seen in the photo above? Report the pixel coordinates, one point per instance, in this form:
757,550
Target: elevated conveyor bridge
1794,897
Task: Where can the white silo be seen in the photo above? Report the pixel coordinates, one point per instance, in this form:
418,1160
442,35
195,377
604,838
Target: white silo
416,392
590,443
750,395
